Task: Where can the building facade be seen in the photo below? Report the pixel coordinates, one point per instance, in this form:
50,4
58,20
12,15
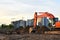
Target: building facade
19,23
30,22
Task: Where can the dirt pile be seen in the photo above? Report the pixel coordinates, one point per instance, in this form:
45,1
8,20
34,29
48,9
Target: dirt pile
31,37
34,37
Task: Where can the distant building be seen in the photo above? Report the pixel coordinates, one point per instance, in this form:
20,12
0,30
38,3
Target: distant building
29,22
19,23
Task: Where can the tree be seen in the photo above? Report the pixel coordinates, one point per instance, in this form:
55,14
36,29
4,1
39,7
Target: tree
7,26
10,26
4,26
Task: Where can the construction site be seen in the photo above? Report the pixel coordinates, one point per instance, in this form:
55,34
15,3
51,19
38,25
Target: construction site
44,26
43,23
29,19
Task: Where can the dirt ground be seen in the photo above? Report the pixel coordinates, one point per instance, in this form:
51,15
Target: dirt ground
29,37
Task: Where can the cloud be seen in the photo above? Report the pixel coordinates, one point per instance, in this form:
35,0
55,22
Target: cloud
16,9
5,20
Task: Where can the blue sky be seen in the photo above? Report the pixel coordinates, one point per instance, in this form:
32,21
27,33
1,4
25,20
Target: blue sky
16,9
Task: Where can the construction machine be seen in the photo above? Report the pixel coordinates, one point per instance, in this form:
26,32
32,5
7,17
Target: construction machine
45,22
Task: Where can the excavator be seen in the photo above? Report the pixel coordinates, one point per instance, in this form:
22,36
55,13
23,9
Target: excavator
45,22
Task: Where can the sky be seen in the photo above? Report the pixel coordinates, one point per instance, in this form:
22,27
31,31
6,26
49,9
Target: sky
11,10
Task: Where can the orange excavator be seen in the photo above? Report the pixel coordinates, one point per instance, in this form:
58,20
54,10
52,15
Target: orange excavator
43,14
47,19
